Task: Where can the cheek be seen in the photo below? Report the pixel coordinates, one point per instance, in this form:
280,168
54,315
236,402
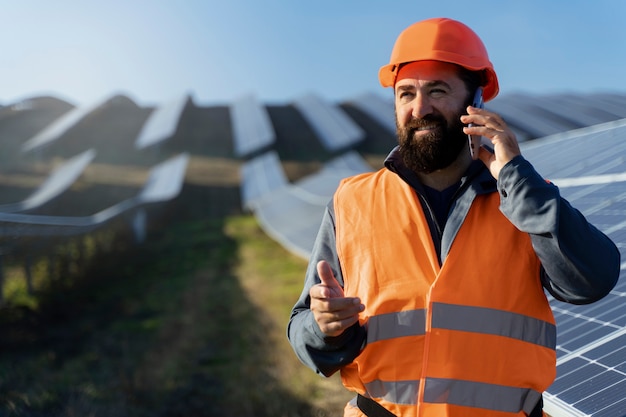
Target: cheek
455,118
403,116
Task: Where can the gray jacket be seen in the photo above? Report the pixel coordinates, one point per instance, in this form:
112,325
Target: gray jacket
580,264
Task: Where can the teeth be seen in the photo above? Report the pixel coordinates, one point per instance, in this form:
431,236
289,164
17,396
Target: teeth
426,128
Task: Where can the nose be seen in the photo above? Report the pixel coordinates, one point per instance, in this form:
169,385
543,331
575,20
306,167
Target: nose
421,106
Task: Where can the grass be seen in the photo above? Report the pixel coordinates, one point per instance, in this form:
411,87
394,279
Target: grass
191,323
272,279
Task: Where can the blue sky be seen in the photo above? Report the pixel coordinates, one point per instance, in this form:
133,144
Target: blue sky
218,50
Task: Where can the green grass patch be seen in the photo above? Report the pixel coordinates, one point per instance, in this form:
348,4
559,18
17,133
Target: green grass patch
190,323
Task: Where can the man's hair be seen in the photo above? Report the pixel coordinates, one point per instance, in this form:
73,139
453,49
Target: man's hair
472,80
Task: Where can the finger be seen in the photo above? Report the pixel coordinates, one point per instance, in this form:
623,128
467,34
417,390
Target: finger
474,110
328,279
335,315
335,328
339,307
474,114
485,118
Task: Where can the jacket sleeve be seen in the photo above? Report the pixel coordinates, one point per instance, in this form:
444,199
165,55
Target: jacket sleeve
325,355
580,264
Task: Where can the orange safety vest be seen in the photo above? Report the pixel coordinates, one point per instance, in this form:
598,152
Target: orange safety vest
474,337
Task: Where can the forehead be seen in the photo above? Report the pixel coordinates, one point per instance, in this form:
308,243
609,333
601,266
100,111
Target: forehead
421,71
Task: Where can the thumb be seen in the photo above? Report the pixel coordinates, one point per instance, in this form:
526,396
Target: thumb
328,279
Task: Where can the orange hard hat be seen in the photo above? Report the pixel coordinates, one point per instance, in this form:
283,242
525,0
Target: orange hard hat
445,40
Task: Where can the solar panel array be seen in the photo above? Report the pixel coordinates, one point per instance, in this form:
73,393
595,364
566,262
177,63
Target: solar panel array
164,181
588,166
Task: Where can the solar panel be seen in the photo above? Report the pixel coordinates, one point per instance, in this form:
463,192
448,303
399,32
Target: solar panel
595,104
589,167
334,127
259,176
377,108
252,127
164,183
322,184
61,125
574,111
291,213
59,181
519,111
162,123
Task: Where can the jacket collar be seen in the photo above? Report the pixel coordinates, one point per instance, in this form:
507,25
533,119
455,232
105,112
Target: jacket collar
477,174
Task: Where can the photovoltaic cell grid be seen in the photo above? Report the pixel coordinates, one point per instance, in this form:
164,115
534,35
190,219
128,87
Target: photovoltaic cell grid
589,151
591,339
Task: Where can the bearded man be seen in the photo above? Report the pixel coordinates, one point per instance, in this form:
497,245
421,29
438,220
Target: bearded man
426,284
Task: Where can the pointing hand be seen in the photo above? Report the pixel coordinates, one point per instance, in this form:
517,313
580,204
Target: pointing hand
333,312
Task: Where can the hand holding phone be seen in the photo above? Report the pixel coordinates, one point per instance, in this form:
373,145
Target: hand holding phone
475,142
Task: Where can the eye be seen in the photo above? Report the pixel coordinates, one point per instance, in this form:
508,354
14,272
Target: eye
438,92
405,95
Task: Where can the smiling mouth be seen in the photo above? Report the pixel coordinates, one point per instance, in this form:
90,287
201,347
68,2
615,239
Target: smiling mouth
431,127
424,130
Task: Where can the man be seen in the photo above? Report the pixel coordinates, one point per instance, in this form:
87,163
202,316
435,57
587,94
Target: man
426,283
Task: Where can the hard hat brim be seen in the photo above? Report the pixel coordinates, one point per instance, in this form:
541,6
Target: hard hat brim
388,73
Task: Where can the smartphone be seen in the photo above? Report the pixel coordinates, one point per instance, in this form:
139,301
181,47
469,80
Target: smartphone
475,141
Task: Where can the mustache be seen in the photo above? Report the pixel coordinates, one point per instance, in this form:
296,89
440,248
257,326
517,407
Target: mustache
425,121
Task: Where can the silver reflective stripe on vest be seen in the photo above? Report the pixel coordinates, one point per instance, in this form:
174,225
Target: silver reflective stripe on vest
452,391
481,395
494,322
460,392
388,326
398,392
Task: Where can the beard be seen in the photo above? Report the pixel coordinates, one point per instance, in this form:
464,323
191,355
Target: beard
434,151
